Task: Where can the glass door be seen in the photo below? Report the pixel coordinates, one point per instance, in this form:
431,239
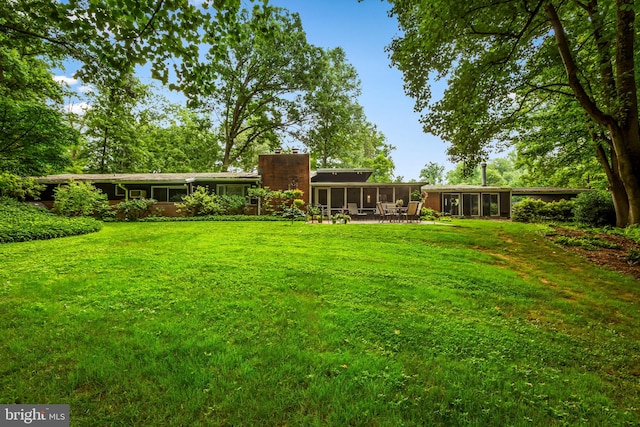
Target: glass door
451,203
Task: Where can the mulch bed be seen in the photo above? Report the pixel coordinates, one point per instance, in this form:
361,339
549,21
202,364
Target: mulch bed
615,259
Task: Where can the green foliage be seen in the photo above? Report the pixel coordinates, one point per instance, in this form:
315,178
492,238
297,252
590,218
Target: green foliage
200,202
19,187
535,210
252,81
33,138
134,209
594,208
293,213
529,210
511,71
429,214
561,210
20,222
587,242
501,172
78,198
432,173
340,218
633,257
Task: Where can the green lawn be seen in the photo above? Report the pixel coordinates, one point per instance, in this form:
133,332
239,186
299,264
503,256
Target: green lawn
474,323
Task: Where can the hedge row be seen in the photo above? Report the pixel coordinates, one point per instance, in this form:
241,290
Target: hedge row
267,218
20,222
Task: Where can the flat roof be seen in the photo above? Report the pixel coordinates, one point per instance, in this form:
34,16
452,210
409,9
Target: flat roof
547,190
366,184
463,188
149,178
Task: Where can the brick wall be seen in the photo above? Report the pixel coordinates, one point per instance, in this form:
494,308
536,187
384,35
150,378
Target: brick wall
286,172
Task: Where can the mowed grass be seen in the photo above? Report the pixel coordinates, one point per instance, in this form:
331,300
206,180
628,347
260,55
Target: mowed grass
475,323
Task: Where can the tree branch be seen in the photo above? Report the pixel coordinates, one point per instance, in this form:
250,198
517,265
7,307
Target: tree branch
572,69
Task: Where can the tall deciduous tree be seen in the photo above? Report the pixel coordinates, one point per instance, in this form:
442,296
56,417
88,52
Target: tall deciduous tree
111,126
508,59
333,115
258,66
432,173
33,137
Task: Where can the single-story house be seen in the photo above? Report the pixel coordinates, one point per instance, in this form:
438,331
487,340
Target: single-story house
331,189
166,188
469,200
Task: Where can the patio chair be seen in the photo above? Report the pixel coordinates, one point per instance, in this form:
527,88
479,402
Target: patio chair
391,211
413,211
354,212
382,212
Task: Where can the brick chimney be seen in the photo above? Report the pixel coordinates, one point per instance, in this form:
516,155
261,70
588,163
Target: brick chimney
286,172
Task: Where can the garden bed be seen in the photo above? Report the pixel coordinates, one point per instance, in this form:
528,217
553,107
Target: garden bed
604,249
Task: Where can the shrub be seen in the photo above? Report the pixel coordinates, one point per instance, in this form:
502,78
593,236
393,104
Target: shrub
429,214
561,210
134,209
200,202
18,187
79,199
529,210
20,222
594,208
232,205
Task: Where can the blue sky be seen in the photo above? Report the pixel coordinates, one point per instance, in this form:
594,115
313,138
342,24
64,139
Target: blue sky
363,30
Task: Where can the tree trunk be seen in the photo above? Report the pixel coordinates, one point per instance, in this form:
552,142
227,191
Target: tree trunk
623,144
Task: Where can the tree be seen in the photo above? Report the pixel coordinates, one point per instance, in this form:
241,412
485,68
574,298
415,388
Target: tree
506,60
179,140
33,136
111,126
110,38
432,173
333,114
382,165
500,172
258,66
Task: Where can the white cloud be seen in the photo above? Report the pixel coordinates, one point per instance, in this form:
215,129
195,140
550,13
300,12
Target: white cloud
66,80
79,108
85,89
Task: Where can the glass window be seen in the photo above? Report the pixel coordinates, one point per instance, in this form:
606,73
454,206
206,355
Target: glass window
232,190
353,196
470,204
337,198
490,205
168,194
386,195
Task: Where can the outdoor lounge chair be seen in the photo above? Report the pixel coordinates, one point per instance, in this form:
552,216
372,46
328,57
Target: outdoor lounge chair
354,212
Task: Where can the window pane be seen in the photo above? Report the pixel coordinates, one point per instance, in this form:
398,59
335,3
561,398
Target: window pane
353,196
386,195
337,197
159,193
175,194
